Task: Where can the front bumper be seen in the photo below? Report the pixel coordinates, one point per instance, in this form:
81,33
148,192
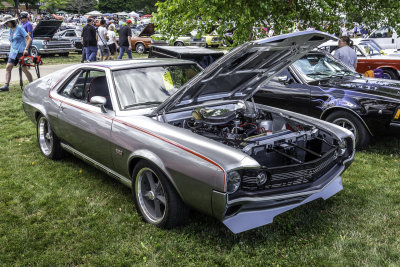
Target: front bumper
194,43
256,212
3,54
56,50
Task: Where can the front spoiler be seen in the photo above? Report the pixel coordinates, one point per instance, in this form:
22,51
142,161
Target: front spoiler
247,220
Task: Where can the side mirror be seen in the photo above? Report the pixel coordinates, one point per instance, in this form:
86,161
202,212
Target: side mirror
99,101
283,78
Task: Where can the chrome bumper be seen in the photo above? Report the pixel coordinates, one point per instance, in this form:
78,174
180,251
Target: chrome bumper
56,50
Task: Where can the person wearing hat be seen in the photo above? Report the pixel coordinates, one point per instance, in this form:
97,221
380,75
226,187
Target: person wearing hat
20,42
125,35
27,26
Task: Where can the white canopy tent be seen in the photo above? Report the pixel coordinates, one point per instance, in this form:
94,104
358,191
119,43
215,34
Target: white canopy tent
134,14
94,13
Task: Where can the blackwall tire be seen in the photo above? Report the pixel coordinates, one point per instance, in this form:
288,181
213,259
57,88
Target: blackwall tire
156,200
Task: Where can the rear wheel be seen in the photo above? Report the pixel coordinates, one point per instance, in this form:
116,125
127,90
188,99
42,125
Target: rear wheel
140,48
352,123
390,74
179,43
34,52
155,198
48,142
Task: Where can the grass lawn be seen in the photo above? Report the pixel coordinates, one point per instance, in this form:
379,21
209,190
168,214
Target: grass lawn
67,213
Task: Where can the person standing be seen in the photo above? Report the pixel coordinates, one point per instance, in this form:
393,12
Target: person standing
89,40
346,54
102,41
112,41
20,42
27,25
125,35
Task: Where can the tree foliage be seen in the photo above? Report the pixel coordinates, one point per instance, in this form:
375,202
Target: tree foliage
53,5
80,6
144,6
176,17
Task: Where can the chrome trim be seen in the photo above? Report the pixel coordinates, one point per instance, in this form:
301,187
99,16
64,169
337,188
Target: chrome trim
58,50
99,166
284,196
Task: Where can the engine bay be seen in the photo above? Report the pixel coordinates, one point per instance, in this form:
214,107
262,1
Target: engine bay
271,139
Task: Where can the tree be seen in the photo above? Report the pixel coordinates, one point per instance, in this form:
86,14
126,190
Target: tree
81,6
53,5
176,17
144,6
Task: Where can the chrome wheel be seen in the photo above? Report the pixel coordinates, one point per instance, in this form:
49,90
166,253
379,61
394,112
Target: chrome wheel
347,124
179,44
45,136
150,195
34,52
140,49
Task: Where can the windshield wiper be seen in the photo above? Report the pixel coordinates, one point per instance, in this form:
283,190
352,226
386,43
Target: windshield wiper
317,74
143,104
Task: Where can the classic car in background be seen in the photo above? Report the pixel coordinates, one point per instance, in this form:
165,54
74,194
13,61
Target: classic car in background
200,55
183,138
321,86
4,44
386,38
142,38
371,59
71,35
43,42
190,39
213,40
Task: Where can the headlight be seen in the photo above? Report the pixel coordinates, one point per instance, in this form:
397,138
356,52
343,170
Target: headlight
233,182
342,147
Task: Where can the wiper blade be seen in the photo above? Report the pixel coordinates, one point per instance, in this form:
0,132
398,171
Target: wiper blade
143,104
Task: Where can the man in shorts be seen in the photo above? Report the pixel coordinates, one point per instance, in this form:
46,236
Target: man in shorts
102,41
20,42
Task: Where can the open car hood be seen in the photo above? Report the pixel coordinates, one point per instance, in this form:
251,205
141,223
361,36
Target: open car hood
147,31
46,28
240,73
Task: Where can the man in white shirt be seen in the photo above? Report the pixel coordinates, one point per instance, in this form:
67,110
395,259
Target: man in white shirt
102,41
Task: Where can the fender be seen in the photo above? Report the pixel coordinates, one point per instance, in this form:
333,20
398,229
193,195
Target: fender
328,111
388,67
153,158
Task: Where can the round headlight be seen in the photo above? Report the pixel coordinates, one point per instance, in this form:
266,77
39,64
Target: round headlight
342,147
233,181
261,178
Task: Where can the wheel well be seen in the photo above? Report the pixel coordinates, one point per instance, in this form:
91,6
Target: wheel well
133,163
139,43
177,42
391,69
37,114
328,112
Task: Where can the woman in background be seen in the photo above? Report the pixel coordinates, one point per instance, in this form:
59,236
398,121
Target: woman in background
112,41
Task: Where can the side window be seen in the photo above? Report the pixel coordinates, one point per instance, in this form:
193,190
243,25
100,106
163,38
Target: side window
283,78
87,84
70,34
96,85
74,88
358,51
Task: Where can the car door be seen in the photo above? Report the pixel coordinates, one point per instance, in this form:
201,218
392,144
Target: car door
84,126
285,91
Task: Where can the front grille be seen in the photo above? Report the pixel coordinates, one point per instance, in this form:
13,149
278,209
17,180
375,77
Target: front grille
5,49
298,174
52,45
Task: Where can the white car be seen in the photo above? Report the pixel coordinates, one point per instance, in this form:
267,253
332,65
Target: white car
386,38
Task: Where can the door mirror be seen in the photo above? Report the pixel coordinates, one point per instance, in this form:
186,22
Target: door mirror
99,101
283,78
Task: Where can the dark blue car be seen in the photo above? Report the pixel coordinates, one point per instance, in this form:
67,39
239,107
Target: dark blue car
321,86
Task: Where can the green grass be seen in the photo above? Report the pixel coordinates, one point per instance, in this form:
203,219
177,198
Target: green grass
67,213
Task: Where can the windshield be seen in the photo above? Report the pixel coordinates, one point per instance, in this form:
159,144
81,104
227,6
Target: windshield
319,66
370,48
153,85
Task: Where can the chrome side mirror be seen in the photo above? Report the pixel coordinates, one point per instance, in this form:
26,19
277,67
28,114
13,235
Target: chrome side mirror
99,101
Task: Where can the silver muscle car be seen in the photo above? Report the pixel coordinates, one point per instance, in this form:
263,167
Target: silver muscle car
184,138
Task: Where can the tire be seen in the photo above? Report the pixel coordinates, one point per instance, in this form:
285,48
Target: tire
64,54
179,43
351,122
390,74
34,52
48,142
140,48
151,189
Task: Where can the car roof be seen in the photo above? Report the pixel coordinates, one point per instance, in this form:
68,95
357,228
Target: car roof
138,63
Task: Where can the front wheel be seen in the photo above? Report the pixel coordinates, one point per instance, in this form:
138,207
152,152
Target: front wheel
390,74
155,198
34,52
179,43
48,142
140,48
353,124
